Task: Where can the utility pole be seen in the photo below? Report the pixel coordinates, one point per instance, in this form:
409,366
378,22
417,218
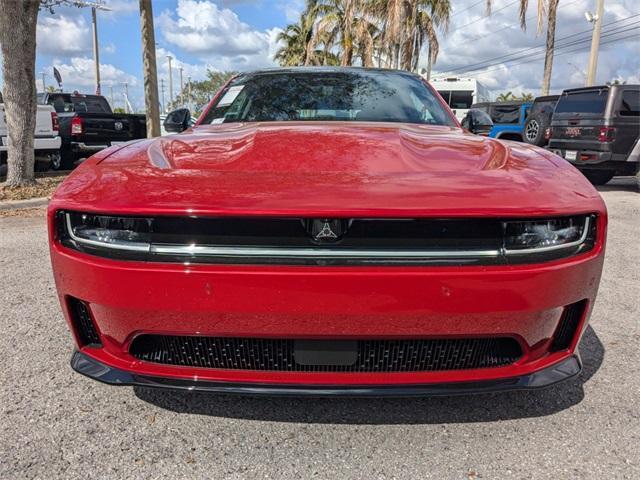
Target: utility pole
170,82
150,69
111,95
126,97
96,5
181,88
44,83
96,55
595,41
189,91
162,88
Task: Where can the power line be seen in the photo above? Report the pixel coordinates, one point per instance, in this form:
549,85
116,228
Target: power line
542,50
579,49
484,16
468,8
505,58
529,18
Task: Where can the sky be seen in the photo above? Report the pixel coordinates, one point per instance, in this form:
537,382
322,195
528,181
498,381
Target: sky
242,35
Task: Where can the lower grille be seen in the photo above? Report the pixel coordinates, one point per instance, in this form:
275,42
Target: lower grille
371,355
568,325
81,318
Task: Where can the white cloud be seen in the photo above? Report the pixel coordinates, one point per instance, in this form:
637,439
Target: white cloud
217,36
79,74
292,9
62,35
473,38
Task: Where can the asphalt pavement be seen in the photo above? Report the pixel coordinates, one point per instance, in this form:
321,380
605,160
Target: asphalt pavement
57,424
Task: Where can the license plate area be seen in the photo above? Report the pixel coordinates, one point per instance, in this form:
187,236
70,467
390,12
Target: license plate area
570,154
325,352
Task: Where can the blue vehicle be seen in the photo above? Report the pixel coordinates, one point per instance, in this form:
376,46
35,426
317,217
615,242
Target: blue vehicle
508,118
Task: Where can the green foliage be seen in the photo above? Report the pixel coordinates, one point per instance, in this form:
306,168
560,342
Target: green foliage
119,110
510,97
364,32
201,91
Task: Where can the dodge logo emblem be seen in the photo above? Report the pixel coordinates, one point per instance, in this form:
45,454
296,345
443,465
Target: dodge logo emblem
326,230
118,125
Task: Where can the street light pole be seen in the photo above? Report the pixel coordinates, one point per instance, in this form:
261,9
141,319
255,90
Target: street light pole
170,81
181,88
44,83
162,89
189,91
595,41
96,55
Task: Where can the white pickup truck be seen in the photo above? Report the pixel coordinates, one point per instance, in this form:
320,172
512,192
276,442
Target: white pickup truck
46,142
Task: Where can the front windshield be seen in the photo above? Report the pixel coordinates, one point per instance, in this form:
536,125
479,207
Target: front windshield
371,96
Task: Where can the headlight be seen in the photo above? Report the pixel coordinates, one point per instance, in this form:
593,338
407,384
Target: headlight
125,233
539,236
545,233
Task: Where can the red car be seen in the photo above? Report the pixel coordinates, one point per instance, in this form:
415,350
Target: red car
327,231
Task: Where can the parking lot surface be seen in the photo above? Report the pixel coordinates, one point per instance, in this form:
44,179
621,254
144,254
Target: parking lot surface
57,424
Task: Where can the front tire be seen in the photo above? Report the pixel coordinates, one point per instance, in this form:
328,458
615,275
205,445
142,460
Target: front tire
598,177
64,160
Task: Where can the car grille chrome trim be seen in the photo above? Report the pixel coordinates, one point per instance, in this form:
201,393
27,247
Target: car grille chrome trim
320,253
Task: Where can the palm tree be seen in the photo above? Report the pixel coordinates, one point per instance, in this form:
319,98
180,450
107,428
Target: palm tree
550,9
406,24
345,24
298,48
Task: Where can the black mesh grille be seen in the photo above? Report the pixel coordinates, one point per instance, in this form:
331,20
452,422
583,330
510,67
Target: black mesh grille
568,325
87,333
372,355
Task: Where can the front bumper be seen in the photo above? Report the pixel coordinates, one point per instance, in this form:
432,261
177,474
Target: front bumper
563,370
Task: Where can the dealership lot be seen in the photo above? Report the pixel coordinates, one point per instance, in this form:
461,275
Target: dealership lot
58,424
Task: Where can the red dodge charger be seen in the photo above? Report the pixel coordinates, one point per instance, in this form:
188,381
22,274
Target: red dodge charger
327,231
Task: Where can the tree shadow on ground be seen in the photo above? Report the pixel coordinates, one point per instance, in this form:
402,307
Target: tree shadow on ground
374,411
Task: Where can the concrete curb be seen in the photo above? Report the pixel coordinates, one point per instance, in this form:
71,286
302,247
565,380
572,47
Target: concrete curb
30,203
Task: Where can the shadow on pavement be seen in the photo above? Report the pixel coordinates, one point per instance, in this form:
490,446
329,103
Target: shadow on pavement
371,411
621,184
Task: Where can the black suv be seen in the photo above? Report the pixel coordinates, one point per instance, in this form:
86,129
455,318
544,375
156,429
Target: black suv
597,129
539,119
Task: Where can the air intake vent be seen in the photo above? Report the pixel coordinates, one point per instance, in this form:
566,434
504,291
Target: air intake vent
84,326
568,325
368,355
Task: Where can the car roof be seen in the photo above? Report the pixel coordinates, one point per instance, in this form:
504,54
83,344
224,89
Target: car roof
325,69
632,86
547,98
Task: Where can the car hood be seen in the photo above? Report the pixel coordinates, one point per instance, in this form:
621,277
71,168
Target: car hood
337,168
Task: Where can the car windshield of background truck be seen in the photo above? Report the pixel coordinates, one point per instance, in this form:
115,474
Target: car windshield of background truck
591,101
328,96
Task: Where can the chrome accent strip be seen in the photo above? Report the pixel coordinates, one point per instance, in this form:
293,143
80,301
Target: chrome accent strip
551,248
259,252
195,250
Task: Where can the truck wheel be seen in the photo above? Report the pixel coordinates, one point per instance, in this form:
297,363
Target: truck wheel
598,177
62,160
534,128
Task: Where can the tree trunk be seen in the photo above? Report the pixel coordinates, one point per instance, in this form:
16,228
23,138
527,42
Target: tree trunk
18,21
429,63
150,70
551,36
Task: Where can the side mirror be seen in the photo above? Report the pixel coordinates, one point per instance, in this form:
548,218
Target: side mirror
178,120
478,122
